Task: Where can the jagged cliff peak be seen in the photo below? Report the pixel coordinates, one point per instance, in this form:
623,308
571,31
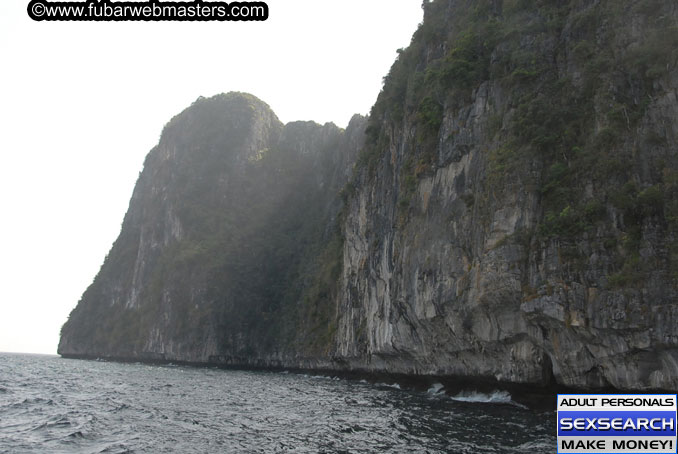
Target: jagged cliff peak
224,123
506,213
231,208
221,108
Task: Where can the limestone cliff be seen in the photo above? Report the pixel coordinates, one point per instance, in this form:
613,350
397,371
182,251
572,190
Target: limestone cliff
228,220
510,214
514,215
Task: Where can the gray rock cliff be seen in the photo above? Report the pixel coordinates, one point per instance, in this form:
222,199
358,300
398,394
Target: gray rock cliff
508,213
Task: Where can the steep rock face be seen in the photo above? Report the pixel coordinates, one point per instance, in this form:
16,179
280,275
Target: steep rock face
513,216
508,212
230,208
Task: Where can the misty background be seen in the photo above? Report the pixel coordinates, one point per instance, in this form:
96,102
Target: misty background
82,103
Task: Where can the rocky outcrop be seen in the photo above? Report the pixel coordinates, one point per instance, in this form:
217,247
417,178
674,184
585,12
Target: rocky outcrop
231,208
508,213
469,255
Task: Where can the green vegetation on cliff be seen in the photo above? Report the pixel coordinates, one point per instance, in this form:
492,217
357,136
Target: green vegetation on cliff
230,241
576,86
512,215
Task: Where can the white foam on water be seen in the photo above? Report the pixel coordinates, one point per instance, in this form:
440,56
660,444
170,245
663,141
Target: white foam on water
394,385
495,397
436,389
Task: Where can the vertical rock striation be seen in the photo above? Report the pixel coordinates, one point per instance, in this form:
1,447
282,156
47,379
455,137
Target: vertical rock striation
508,212
512,217
224,225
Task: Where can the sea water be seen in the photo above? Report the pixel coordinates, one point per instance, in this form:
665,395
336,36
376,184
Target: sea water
54,405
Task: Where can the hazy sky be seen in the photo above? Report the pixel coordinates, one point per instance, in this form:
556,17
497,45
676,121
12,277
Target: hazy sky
82,103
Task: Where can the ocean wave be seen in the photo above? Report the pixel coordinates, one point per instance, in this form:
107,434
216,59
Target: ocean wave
31,402
54,422
120,408
78,435
436,389
116,449
386,385
465,447
495,397
542,444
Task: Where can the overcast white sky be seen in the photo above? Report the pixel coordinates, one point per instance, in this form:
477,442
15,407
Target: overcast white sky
82,103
